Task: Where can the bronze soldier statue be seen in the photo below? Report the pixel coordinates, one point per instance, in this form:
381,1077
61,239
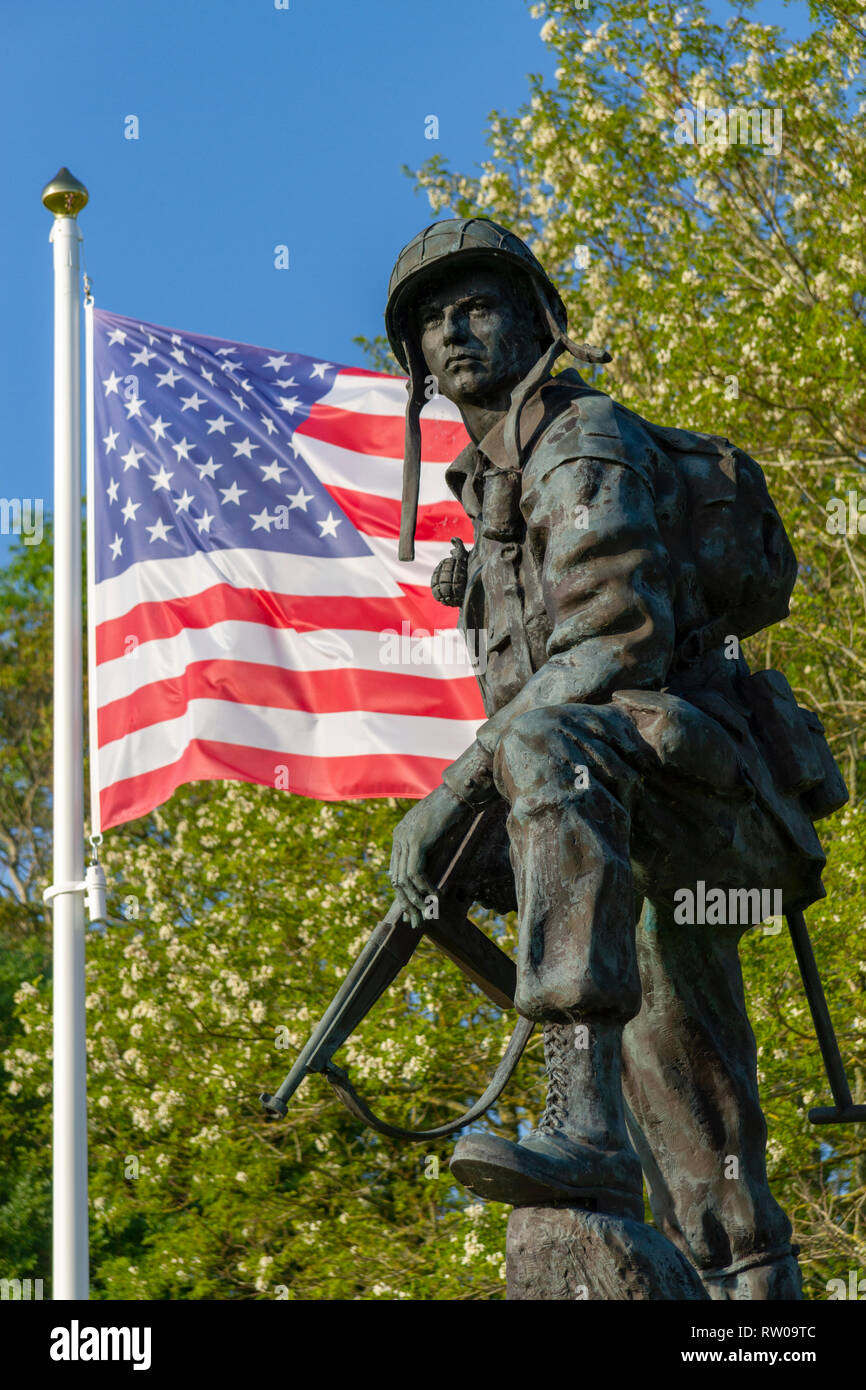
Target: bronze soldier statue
628,754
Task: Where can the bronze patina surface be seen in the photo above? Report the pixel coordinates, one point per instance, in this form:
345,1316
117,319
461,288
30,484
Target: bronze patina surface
630,765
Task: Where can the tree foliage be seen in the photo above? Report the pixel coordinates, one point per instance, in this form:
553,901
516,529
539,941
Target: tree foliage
247,909
726,278
243,910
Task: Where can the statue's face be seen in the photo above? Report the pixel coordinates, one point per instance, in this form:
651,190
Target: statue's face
476,337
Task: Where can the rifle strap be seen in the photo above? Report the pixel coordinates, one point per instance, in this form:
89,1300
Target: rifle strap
359,1108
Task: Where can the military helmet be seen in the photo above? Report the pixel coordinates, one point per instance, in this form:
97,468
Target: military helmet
462,239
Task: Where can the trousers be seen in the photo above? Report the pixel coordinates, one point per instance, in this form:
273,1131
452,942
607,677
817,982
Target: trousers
610,811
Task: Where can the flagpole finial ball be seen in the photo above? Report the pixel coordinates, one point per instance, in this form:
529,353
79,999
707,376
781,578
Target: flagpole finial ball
64,195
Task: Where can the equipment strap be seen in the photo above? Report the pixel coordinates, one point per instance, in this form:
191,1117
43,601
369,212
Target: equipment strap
359,1108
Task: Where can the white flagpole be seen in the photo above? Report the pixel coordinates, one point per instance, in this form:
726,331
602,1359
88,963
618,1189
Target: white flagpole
90,464
65,197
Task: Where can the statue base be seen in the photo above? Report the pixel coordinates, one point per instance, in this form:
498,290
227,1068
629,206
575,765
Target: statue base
566,1253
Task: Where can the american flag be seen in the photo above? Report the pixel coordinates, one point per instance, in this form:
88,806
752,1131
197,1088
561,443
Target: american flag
249,619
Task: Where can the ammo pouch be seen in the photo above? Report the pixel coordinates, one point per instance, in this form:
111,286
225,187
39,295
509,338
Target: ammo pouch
792,741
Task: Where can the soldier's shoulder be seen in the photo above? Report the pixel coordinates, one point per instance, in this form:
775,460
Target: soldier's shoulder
582,422
587,423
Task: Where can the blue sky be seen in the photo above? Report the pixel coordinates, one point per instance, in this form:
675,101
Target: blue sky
258,127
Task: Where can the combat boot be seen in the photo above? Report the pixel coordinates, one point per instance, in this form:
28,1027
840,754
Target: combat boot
579,1152
764,1276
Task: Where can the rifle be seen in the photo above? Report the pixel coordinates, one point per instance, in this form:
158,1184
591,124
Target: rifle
390,947
844,1111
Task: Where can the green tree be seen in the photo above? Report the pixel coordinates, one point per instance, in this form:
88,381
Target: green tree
25,942
245,908
726,283
726,278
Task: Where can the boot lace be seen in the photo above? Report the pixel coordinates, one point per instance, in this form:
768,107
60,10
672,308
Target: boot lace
557,1038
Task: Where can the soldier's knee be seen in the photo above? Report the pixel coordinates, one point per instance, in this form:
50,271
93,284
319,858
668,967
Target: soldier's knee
527,751
533,730
567,748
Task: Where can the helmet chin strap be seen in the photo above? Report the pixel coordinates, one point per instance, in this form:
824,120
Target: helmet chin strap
582,352
411,453
520,395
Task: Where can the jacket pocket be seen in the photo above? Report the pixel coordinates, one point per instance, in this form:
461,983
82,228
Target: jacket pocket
831,792
689,743
794,746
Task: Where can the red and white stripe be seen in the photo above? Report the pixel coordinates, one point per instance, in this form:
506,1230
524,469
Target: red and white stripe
259,667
